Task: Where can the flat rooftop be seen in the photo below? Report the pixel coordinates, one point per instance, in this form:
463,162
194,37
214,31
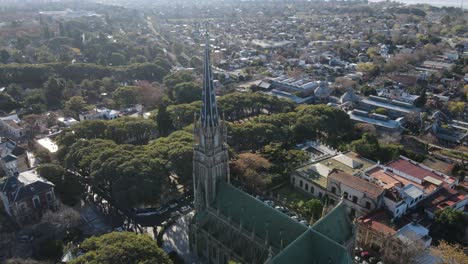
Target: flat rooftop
388,105
392,124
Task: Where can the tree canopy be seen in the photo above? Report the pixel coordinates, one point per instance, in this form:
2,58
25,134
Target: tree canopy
121,248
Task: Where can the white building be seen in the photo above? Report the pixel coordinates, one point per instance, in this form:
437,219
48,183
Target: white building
13,126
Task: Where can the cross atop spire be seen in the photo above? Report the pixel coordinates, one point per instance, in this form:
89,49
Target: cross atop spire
209,111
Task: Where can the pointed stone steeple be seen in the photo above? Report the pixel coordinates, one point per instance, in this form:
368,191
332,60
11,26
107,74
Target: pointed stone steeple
210,157
209,112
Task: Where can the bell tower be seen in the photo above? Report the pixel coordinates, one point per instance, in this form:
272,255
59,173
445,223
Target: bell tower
210,152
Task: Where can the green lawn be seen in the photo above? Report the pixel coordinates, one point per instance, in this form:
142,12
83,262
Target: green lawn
455,154
291,194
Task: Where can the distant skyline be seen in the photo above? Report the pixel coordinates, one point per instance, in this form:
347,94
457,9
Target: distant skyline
438,3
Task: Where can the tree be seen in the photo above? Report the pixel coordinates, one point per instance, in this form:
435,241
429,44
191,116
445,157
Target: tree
449,253
367,146
148,94
313,208
368,90
53,90
7,103
283,160
75,105
187,92
163,120
117,59
67,185
381,111
121,248
50,249
171,80
250,161
451,223
252,169
421,101
15,91
4,56
368,68
456,107
125,96
52,172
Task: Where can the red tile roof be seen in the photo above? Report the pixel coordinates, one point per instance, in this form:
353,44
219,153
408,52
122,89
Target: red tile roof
385,177
381,221
356,183
443,198
412,169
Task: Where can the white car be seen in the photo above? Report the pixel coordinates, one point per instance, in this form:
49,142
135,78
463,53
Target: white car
162,210
185,208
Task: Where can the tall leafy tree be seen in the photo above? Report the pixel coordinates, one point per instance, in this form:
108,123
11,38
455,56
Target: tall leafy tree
121,248
125,96
163,120
53,90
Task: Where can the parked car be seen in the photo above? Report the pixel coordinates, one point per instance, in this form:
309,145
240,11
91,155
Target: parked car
162,210
119,229
147,213
185,208
304,222
26,238
175,214
173,205
295,217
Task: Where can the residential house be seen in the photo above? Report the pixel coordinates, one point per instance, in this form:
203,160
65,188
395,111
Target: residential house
443,198
378,232
99,114
13,158
67,121
12,126
27,196
408,184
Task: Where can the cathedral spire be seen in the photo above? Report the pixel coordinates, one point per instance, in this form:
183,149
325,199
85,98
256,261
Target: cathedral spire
209,111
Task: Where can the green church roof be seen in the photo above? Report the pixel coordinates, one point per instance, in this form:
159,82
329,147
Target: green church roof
313,248
336,225
256,215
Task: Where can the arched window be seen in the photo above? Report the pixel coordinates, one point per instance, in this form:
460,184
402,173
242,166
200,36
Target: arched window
300,183
311,189
307,187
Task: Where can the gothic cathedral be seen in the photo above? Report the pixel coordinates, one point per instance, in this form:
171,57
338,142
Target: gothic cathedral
231,225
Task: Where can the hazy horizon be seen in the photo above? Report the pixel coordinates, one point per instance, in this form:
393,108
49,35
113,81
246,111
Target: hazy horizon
438,3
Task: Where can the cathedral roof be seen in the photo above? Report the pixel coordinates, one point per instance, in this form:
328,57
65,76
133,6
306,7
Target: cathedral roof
313,248
322,243
267,222
336,225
